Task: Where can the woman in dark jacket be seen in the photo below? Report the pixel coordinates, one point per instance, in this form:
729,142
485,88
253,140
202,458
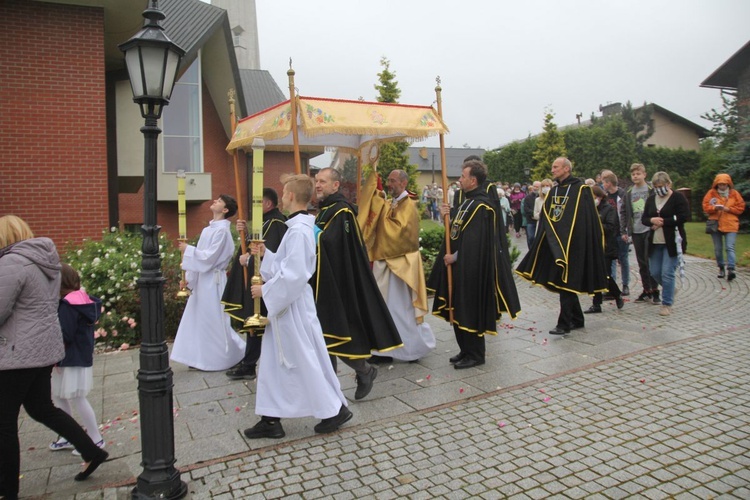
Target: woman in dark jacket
30,344
665,213
611,225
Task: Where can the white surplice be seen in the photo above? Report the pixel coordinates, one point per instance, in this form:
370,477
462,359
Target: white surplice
415,333
295,376
205,338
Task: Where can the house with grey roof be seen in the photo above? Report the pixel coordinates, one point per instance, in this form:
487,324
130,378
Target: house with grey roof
734,76
428,163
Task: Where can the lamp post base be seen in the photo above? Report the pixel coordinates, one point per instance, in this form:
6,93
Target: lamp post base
178,490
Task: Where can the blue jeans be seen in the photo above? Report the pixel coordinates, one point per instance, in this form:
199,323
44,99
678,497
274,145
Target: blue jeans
622,256
530,233
663,267
719,240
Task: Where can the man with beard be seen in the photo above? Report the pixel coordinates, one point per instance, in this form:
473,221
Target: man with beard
238,302
391,234
351,310
567,256
480,290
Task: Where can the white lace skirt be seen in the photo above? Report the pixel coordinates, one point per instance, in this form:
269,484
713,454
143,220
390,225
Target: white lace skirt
72,381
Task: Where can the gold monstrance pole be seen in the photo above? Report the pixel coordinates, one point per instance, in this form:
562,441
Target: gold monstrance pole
182,222
256,322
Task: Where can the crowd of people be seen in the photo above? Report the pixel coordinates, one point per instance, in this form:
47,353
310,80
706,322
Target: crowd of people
348,283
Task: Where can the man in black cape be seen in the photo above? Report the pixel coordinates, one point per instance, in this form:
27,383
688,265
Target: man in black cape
491,190
352,312
567,256
482,281
238,302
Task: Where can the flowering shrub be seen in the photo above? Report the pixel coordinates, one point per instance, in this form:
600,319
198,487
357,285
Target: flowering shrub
109,269
430,240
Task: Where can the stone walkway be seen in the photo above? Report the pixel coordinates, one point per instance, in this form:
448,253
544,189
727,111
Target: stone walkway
635,404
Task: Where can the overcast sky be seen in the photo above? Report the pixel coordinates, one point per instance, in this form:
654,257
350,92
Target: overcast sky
503,63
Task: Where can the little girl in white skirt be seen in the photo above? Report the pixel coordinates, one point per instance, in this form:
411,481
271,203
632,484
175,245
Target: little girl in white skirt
72,377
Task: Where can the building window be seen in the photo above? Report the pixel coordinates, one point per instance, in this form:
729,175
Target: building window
182,124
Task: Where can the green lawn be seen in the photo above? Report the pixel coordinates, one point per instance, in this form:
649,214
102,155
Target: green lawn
700,244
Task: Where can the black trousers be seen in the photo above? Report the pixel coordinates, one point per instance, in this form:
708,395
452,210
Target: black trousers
31,388
252,350
571,315
359,365
640,243
471,345
612,287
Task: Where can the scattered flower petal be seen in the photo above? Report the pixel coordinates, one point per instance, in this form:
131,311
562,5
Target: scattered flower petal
236,408
461,390
643,381
428,377
420,380
547,399
501,424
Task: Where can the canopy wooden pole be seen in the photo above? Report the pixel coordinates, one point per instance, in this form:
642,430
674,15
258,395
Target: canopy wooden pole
359,174
447,218
293,102
238,191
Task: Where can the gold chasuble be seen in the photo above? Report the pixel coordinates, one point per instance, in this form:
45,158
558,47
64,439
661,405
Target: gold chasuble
390,230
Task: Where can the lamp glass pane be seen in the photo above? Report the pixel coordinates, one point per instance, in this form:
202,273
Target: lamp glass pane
153,69
133,62
170,73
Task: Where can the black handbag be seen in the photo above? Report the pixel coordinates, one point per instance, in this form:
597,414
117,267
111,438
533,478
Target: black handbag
712,226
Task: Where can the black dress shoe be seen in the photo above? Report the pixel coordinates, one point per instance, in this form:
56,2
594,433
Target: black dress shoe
92,466
266,428
559,331
241,372
458,357
467,363
594,309
332,424
364,383
380,360
620,303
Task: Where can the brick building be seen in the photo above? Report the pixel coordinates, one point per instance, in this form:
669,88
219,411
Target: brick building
71,150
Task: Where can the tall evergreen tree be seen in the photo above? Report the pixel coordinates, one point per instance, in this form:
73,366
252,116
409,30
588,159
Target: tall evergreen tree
725,129
393,155
549,146
639,122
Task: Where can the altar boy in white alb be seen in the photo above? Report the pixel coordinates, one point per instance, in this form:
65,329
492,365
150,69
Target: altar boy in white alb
205,339
295,378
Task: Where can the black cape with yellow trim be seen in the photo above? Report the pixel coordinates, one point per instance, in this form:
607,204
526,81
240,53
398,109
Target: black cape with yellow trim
491,190
351,310
568,249
483,286
237,301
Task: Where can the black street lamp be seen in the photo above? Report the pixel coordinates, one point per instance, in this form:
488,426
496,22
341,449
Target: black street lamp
152,60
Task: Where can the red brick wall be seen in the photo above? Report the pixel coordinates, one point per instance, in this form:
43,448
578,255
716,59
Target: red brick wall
53,164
